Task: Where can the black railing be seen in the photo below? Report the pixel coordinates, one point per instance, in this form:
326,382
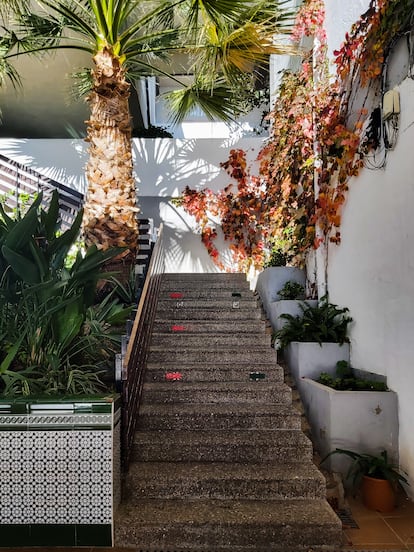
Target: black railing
135,359
17,179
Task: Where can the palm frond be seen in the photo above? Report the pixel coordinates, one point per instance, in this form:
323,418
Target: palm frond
217,102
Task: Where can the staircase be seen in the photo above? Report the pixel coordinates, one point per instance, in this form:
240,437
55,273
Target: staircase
219,462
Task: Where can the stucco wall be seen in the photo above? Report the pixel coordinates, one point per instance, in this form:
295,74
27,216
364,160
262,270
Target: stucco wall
371,272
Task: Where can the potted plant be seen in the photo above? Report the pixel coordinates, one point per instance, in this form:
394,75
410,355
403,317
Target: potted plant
315,340
290,299
377,477
276,273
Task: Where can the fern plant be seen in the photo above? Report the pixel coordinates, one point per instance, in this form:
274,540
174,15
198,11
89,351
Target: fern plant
325,323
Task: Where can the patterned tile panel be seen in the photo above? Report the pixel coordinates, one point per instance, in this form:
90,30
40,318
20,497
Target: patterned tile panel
56,477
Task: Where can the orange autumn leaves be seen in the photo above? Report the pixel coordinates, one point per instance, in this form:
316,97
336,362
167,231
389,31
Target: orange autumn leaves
312,147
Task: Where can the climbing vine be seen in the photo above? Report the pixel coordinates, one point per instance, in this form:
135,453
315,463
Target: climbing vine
313,149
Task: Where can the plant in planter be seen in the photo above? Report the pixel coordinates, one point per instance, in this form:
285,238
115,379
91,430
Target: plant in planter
292,291
57,347
376,476
54,339
346,380
324,323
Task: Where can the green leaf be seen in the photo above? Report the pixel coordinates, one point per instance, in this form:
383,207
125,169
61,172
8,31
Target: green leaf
26,269
21,233
5,365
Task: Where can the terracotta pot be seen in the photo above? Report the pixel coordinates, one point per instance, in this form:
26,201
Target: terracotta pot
378,494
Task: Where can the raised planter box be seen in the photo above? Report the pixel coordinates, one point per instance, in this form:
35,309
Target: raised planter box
308,360
272,280
362,421
287,306
60,471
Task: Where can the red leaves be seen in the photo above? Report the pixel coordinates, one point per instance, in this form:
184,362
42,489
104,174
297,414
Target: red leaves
309,137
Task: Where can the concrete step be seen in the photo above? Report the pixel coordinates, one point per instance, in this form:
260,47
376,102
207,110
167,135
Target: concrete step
240,446
216,304
230,314
156,372
251,327
188,340
228,526
192,417
216,392
250,356
191,481
206,293
212,278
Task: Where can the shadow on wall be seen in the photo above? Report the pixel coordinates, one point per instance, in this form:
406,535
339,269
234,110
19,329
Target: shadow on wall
184,250
164,167
61,160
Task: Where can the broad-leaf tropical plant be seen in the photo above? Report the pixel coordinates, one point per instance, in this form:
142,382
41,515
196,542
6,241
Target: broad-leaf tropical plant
53,337
224,41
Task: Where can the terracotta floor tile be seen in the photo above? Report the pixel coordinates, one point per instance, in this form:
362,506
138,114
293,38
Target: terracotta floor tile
403,526
373,531
359,511
404,507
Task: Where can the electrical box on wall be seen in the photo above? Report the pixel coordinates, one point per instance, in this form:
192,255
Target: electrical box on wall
390,104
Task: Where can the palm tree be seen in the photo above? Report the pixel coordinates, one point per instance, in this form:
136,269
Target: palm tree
225,40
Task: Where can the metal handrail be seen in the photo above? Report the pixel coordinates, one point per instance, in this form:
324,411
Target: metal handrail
135,360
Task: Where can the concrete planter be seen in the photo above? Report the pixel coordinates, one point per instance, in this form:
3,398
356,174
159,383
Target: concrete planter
272,280
362,421
61,471
308,360
285,306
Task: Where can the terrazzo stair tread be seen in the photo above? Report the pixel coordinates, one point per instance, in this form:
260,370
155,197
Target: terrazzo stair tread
208,314
216,392
212,327
194,417
222,446
206,304
218,525
187,481
207,293
253,354
210,278
188,340
219,373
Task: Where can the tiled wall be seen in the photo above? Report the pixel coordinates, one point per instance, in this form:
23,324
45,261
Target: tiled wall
60,469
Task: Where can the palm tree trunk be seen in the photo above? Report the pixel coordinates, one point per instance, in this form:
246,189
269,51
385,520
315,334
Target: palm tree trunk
110,212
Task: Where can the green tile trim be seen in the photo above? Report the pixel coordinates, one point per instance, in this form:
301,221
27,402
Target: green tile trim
14,536
72,403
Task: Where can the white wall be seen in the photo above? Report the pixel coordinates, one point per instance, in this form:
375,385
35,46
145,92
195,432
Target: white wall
371,272
163,167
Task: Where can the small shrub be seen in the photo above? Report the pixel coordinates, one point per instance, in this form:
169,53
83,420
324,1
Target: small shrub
345,380
292,290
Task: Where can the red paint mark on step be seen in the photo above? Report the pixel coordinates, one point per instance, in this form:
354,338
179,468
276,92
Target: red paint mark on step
176,295
173,376
178,328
